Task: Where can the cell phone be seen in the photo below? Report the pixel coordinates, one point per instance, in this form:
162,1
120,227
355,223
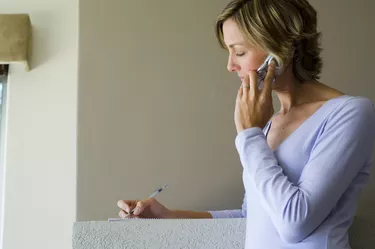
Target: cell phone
262,70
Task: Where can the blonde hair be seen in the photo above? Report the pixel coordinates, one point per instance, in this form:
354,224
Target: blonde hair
287,29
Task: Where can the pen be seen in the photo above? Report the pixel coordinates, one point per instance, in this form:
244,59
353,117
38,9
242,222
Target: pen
155,193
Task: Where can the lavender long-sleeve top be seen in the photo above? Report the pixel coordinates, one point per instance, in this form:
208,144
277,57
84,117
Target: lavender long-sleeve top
304,194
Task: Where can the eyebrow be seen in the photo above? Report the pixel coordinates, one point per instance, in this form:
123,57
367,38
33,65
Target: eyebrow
234,44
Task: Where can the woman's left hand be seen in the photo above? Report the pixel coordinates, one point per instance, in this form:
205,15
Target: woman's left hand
254,107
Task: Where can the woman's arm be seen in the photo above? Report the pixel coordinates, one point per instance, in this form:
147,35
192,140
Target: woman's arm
184,214
337,157
234,213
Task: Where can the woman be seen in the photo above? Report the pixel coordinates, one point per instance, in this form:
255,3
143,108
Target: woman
303,168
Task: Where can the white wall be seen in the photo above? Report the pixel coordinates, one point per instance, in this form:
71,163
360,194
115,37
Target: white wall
41,144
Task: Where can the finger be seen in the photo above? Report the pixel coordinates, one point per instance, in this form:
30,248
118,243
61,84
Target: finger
133,217
124,205
141,206
240,93
127,205
267,90
253,84
245,87
122,214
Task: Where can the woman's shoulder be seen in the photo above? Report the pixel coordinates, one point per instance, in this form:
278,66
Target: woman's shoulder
346,103
337,101
350,110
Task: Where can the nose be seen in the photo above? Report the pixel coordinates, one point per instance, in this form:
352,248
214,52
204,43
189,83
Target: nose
231,66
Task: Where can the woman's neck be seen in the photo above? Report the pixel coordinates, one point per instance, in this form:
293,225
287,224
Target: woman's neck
291,91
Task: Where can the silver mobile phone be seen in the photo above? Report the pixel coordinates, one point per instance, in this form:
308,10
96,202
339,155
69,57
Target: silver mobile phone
262,70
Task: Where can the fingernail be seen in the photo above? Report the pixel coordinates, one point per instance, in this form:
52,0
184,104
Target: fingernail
127,210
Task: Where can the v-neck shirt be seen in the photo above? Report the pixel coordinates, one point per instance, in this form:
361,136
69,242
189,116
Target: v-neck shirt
304,193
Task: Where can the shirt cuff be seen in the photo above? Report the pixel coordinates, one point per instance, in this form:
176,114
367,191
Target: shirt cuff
222,214
245,134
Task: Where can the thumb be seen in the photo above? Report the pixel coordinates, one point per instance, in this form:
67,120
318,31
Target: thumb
141,206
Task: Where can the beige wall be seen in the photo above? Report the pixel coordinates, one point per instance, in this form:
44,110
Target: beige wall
40,201
155,107
156,103
348,41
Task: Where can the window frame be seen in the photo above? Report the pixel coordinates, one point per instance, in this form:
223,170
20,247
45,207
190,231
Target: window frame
3,127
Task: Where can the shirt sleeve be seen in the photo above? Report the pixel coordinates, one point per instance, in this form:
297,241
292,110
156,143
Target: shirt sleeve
338,155
234,213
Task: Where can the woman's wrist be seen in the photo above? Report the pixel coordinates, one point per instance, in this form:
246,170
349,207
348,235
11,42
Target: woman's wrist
170,214
184,214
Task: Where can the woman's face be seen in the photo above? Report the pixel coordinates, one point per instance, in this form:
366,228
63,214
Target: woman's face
243,57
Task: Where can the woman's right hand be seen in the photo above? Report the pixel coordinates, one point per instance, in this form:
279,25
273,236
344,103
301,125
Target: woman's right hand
148,208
